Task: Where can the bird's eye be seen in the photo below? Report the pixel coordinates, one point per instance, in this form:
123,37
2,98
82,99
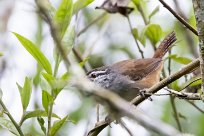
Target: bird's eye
93,75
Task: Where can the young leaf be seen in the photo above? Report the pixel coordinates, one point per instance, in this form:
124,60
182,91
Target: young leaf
192,82
56,84
47,99
154,33
37,113
57,125
63,15
79,4
42,122
5,123
25,92
35,52
153,12
181,60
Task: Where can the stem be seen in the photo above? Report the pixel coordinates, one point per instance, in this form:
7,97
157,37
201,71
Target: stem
176,116
141,52
11,118
49,120
179,17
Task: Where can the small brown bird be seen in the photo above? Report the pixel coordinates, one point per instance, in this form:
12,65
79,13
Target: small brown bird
127,78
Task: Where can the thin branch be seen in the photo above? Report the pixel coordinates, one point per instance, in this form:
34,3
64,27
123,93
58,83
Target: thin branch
18,128
138,46
92,23
122,123
176,115
195,106
183,95
179,17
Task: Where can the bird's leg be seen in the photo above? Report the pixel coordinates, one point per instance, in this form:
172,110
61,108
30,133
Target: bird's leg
144,95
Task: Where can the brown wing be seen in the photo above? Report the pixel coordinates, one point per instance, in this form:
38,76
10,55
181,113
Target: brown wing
141,67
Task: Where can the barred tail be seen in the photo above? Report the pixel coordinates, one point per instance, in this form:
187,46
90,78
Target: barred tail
165,44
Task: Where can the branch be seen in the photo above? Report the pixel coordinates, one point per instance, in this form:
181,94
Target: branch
199,13
119,107
93,22
179,17
184,95
18,128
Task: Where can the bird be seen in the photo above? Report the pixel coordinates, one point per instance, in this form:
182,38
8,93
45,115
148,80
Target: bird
128,77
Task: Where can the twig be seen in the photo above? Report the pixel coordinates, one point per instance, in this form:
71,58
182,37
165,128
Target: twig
122,123
138,46
198,6
176,115
195,106
172,99
183,95
179,17
18,128
93,22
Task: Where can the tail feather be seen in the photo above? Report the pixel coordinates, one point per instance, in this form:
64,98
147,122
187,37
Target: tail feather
165,44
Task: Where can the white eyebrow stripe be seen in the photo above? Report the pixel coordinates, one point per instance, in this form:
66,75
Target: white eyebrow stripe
99,72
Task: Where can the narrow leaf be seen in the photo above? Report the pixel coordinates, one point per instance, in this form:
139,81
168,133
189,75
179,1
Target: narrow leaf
63,15
46,100
153,12
35,52
25,93
79,4
37,113
5,123
181,60
57,125
42,122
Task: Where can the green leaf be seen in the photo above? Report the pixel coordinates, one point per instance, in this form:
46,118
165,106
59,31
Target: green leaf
153,12
56,84
192,82
84,62
79,4
181,60
1,54
35,52
57,125
42,122
5,123
154,33
25,92
138,36
63,15
135,33
136,2
37,113
47,99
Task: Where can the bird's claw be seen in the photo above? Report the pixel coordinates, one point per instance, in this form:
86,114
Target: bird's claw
144,95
